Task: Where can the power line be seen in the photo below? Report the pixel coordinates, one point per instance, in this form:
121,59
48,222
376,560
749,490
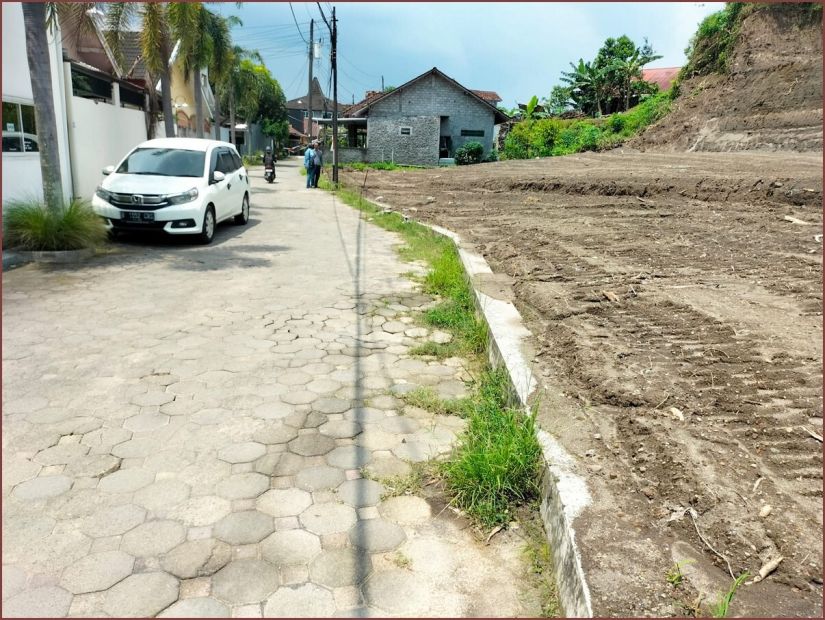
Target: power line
357,68
296,23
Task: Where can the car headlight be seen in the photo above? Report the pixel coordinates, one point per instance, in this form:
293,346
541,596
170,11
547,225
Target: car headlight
177,199
104,194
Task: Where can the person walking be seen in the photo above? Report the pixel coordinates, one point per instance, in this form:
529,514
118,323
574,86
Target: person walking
309,164
319,164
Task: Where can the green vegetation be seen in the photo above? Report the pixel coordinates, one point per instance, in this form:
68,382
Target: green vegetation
540,564
553,136
379,165
255,159
426,398
720,609
469,153
31,226
675,576
709,50
497,462
411,484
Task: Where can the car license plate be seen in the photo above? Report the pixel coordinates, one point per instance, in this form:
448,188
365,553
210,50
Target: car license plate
137,216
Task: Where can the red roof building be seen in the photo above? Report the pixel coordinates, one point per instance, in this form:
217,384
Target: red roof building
663,77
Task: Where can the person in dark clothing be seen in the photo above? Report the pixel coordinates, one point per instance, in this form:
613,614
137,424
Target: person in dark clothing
319,163
269,157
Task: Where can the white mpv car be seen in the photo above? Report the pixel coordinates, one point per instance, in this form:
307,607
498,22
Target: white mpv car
182,186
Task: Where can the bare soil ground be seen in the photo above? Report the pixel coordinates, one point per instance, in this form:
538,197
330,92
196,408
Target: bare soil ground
676,303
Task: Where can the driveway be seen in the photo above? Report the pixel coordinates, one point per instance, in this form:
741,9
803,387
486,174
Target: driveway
202,430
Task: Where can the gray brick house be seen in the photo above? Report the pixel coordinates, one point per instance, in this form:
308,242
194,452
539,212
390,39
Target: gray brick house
418,123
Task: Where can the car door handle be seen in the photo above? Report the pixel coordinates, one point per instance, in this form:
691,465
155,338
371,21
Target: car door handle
229,186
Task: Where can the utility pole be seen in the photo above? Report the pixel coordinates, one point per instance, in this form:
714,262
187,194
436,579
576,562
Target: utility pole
382,83
334,62
309,96
334,100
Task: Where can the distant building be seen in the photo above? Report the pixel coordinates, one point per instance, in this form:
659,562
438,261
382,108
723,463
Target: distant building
419,122
663,77
296,110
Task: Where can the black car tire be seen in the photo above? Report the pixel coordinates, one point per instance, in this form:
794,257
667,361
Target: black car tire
243,217
208,229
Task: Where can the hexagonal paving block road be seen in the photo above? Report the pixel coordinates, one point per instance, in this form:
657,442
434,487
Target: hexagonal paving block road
186,429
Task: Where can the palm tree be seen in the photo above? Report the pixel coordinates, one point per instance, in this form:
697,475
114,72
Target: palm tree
155,43
220,60
37,52
238,84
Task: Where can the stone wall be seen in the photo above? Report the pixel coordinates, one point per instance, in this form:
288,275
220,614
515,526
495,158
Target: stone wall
386,143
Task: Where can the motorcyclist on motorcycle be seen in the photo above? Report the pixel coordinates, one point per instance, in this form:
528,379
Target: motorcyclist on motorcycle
269,157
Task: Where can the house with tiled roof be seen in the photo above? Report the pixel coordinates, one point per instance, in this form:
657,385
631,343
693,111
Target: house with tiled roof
663,77
297,109
418,123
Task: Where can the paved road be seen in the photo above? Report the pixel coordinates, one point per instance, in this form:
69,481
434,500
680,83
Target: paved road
185,430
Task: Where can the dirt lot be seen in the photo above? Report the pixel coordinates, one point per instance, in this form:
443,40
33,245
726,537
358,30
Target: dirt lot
676,303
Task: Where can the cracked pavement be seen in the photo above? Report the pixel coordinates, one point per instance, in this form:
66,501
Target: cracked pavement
202,431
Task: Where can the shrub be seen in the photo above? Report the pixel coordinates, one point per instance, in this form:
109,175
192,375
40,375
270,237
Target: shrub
589,136
31,226
543,136
255,159
517,142
616,123
470,153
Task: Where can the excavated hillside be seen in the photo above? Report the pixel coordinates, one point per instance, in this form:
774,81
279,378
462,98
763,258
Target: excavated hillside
770,98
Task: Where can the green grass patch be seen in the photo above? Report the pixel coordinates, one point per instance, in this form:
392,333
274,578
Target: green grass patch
29,225
435,349
411,484
427,399
497,462
378,165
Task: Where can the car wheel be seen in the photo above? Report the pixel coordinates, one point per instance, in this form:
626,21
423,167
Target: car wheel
243,217
208,230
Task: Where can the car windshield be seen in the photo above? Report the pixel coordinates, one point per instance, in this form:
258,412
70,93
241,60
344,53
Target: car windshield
164,162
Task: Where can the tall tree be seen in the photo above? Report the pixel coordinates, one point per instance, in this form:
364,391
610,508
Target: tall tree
220,61
37,53
155,43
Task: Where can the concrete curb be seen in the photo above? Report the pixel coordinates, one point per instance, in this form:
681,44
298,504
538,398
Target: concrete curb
564,493
13,258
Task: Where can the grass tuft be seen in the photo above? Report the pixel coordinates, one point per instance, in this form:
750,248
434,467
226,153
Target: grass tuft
721,608
497,462
29,225
428,399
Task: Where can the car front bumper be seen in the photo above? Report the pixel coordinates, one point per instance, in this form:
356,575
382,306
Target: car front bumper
185,219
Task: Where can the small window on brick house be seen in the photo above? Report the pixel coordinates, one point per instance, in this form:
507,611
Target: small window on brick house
406,131
476,133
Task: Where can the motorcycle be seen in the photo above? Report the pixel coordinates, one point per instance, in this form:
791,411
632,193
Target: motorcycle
269,175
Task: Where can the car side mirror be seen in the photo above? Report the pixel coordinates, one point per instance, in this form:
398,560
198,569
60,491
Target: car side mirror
218,176
108,170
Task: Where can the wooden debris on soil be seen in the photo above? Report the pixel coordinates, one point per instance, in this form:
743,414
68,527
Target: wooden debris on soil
794,220
767,569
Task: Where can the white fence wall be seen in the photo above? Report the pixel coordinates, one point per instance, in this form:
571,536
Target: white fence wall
100,134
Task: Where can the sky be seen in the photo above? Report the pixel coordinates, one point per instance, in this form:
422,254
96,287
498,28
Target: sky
517,49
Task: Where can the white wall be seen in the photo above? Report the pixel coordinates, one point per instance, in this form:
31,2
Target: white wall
21,171
101,134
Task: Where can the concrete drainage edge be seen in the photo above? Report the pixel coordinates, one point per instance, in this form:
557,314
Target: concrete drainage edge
563,492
